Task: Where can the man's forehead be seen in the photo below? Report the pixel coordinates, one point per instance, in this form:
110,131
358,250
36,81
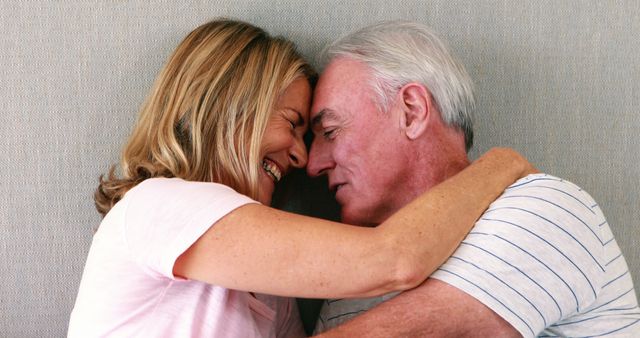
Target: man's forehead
328,92
339,75
340,86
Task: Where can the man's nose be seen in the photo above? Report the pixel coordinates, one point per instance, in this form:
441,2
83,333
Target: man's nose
320,160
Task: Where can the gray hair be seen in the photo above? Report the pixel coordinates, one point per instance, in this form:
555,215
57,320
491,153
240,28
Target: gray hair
400,52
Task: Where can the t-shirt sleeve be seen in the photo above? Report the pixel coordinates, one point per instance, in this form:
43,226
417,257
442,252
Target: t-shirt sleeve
289,324
535,256
164,217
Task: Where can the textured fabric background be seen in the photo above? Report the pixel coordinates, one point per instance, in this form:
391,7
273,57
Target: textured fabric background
557,80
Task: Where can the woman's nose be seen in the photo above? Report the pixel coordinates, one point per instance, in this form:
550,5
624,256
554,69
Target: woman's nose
298,154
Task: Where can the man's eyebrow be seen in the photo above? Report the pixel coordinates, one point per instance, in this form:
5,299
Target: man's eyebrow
323,114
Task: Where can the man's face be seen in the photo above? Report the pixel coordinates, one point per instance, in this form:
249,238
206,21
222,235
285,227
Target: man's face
356,145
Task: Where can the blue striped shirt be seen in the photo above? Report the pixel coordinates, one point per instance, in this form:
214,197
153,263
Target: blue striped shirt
543,258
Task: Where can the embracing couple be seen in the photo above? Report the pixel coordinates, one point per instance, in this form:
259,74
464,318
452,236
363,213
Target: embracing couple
189,246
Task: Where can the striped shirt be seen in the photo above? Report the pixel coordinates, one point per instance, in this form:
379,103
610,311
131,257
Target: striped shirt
543,258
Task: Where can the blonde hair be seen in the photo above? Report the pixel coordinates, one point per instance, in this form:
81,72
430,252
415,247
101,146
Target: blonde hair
207,112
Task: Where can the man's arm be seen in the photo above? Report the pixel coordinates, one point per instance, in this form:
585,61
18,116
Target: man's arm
434,309
535,258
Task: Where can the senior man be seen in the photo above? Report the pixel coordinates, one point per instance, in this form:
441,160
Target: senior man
392,117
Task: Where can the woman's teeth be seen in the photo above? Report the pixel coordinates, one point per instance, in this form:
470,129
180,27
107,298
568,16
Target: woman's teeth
272,169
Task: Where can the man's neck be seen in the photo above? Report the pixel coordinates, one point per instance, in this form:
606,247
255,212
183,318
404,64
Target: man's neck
442,170
428,169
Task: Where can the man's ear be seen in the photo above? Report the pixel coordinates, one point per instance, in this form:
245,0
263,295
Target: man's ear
415,104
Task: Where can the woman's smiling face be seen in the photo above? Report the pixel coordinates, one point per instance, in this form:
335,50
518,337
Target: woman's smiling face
282,144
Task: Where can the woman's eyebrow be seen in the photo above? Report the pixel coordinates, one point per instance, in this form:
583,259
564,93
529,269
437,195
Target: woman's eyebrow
300,121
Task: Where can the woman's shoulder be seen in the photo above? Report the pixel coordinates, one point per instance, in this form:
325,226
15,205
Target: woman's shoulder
175,186
162,217
169,195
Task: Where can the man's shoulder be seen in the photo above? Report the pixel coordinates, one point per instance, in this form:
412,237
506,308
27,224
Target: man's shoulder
541,254
550,193
546,208
541,182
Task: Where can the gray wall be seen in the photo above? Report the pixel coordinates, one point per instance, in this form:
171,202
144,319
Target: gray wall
557,80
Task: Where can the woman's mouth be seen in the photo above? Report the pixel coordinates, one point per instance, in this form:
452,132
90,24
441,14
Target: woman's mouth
272,169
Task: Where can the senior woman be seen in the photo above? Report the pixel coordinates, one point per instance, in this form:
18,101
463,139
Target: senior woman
189,246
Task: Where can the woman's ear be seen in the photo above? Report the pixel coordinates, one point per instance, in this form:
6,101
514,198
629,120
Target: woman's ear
415,104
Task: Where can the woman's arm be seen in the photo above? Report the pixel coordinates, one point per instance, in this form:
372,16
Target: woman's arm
257,248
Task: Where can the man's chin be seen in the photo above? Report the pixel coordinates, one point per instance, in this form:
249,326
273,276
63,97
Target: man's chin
357,218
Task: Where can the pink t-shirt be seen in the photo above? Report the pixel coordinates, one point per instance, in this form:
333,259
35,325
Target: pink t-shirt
128,288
